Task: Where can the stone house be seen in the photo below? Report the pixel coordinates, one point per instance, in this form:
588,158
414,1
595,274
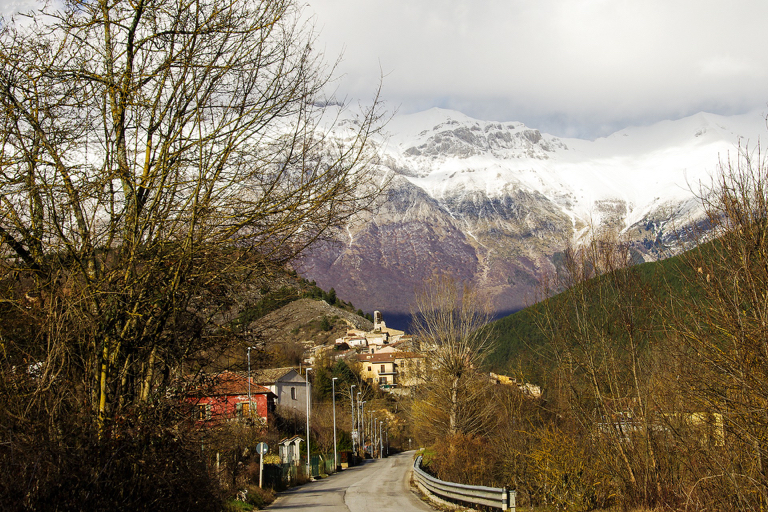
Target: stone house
290,450
286,383
381,335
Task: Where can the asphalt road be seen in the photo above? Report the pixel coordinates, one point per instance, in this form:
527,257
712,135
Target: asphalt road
375,486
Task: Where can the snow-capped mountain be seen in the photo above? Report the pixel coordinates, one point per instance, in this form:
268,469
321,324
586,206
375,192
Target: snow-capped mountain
493,203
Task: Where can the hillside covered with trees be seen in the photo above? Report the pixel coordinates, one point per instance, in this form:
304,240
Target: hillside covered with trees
654,377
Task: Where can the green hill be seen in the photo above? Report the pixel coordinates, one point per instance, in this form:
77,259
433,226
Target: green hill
524,338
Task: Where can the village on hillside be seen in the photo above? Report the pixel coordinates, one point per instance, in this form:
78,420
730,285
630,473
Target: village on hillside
385,359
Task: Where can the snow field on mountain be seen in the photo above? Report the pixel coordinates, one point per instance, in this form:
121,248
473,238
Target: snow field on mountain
644,168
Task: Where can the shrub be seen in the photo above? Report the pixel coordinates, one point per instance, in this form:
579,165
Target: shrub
467,459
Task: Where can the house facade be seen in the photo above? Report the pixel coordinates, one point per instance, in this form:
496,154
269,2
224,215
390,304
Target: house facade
410,368
391,369
378,369
226,397
286,383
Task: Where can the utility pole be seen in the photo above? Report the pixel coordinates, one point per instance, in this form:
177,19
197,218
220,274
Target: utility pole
362,426
250,402
354,425
309,398
333,400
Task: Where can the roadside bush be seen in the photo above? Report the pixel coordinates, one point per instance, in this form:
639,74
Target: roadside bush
256,497
141,466
467,459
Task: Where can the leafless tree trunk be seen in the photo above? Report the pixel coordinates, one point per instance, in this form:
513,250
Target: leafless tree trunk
449,323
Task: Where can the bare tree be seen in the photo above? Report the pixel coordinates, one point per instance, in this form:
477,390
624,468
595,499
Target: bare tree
722,322
599,330
150,148
152,155
449,323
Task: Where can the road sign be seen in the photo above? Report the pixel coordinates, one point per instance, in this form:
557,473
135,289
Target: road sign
262,450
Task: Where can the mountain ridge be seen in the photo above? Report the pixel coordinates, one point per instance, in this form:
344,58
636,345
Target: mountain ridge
494,203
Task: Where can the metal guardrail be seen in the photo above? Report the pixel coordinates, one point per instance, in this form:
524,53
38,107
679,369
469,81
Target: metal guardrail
495,497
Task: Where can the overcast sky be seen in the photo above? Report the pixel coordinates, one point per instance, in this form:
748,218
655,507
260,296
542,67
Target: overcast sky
568,67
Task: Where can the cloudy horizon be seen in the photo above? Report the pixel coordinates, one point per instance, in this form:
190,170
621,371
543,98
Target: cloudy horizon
572,68
582,68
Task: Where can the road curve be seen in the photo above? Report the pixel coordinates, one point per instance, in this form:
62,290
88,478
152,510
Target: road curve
375,486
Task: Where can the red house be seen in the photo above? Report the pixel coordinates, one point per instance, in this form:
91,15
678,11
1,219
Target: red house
225,398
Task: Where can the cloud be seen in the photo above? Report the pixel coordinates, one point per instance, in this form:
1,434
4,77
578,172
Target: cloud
10,7
582,67
569,67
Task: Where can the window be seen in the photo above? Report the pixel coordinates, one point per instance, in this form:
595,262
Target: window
293,393
382,380
382,369
242,410
370,368
203,412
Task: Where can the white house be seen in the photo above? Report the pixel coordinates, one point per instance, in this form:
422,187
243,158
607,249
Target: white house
286,383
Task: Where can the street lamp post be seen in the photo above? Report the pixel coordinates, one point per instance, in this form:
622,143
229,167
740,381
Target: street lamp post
250,402
359,420
362,426
309,398
354,426
357,425
333,400
374,443
381,443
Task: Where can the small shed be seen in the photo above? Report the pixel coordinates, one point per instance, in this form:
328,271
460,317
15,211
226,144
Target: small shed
290,450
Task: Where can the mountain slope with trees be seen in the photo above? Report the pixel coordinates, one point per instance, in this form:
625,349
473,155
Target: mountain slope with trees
522,343
654,376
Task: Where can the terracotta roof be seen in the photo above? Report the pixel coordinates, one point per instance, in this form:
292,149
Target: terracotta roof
230,383
407,355
387,357
377,358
